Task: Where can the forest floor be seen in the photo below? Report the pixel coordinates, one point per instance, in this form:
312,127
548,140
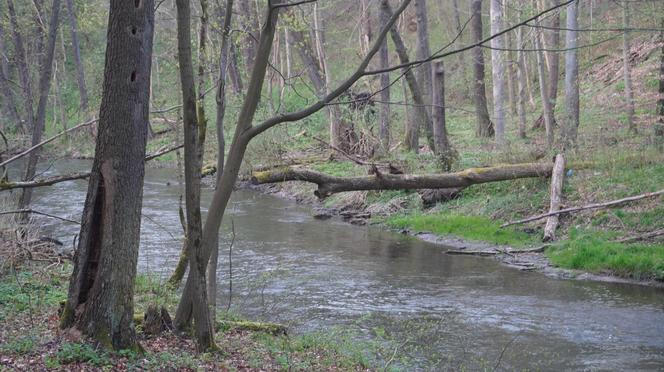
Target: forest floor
30,339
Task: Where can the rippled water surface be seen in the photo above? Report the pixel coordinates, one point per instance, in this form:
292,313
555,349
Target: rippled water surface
313,274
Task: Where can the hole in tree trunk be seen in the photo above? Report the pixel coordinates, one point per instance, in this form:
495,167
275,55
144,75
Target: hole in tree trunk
133,76
137,3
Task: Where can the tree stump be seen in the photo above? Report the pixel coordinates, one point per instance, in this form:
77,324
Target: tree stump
156,321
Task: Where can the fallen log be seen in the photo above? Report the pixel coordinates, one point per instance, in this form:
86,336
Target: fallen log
636,238
557,179
586,207
328,185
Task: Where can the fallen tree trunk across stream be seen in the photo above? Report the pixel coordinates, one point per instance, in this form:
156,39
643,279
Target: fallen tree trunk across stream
328,185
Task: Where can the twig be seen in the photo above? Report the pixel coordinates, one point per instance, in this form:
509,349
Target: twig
500,358
42,143
585,207
17,211
163,152
639,237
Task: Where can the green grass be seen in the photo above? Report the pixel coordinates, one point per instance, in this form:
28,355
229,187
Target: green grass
468,227
593,252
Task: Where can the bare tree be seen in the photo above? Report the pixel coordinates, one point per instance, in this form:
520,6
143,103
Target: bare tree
101,295
521,82
544,91
384,108
441,139
80,69
194,138
498,71
571,76
422,51
484,125
5,88
46,74
627,69
21,60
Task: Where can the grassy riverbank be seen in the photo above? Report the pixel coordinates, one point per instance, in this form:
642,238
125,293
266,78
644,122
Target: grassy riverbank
30,339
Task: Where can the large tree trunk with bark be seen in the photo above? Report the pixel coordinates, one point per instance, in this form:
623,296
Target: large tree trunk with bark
194,138
498,71
45,78
571,76
553,42
557,180
544,91
100,299
443,147
423,51
328,185
484,124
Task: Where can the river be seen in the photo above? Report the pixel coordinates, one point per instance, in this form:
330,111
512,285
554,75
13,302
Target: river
444,311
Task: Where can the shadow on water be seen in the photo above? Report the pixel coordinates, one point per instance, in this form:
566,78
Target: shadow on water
400,291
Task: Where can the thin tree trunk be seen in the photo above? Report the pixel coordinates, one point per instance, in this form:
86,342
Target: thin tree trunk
80,69
251,34
553,57
421,114
101,289
571,76
384,108
461,56
557,179
498,71
8,95
484,124
521,83
544,91
423,73
45,79
221,143
194,137
627,70
22,64
441,140
234,71
660,100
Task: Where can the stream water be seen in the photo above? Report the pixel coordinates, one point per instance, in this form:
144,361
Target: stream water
444,311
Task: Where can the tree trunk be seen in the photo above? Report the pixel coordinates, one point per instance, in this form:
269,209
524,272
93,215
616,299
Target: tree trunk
100,299
194,138
8,95
553,37
80,69
21,60
660,100
221,145
498,71
627,70
571,76
544,91
384,108
45,78
521,83
248,22
422,118
423,73
441,140
484,125
557,179
328,185
462,56
234,71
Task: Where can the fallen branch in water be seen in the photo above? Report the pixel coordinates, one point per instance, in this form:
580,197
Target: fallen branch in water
586,207
32,211
328,185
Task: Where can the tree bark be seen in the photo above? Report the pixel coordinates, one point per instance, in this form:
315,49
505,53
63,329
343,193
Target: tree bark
571,76
328,185
194,138
660,90
100,299
553,37
627,69
424,72
248,21
484,124
498,71
384,108
45,79
80,69
557,180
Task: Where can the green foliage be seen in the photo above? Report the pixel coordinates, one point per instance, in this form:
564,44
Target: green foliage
469,227
78,353
337,168
19,345
26,291
594,252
